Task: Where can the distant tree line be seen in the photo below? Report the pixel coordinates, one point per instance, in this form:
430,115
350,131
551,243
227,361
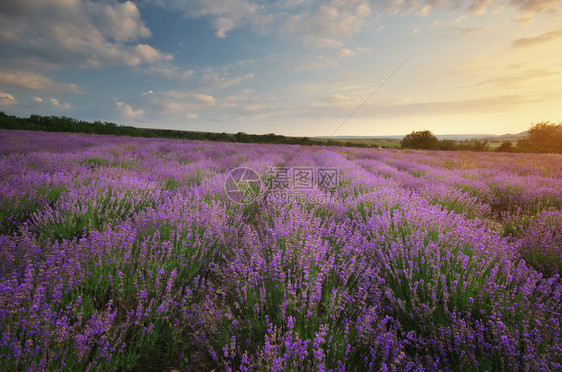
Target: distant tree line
65,124
427,141
545,137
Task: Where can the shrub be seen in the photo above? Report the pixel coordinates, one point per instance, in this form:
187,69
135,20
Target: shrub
420,140
506,146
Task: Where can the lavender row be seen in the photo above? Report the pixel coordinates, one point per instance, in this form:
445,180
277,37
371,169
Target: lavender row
126,253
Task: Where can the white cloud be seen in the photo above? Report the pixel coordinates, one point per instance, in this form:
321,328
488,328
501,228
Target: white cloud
176,101
147,93
37,99
537,39
327,23
167,71
336,100
127,110
534,5
424,10
480,6
423,7
521,76
246,98
524,20
83,32
339,105
56,103
213,79
346,52
6,99
250,109
149,54
223,15
324,25
208,78
35,81
121,21
463,31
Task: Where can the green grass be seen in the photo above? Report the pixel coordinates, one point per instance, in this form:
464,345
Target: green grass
95,162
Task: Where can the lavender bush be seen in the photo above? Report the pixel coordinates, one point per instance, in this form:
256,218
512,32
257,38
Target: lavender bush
127,254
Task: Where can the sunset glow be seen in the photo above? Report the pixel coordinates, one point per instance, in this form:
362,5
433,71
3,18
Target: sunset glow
292,67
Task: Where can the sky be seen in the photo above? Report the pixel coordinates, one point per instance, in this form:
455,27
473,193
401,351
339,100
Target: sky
291,67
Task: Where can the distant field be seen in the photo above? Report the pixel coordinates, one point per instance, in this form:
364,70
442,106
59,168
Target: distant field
367,141
121,253
493,142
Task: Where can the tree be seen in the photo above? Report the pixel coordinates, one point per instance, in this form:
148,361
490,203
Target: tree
478,145
506,146
448,144
420,140
543,137
242,137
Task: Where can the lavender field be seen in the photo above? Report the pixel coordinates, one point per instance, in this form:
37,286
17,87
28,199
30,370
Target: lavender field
128,254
